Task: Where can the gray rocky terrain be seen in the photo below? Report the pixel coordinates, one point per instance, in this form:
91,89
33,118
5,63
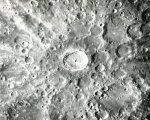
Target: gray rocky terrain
74,60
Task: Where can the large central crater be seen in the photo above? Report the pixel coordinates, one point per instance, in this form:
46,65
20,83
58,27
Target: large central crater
75,61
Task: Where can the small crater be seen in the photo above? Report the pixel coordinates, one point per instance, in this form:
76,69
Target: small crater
146,15
133,30
133,1
145,28
123,50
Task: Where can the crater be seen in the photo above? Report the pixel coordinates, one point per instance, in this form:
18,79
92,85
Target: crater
75,61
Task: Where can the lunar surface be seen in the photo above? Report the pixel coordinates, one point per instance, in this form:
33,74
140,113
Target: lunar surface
74,60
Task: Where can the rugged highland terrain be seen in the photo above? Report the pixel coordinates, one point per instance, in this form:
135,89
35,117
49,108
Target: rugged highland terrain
74,60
